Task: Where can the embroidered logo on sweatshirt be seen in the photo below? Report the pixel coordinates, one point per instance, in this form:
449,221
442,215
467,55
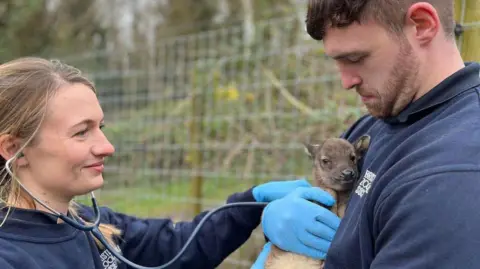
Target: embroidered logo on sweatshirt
364,185
108,260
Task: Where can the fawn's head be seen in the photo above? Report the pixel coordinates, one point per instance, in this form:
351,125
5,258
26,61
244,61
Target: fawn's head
335,161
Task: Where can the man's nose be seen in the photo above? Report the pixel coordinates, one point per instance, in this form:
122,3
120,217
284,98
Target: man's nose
349,80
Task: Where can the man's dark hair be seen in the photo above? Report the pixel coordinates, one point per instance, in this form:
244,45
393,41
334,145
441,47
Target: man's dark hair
388,13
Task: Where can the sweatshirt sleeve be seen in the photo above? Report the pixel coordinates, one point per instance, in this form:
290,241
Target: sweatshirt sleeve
429,222
155,241
5,265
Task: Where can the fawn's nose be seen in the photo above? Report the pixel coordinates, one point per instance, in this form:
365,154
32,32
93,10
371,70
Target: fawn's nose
348,173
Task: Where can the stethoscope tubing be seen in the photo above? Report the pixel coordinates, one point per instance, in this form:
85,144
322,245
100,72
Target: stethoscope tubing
93,228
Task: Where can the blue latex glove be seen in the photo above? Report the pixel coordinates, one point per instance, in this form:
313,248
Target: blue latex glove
262,257
274,190
295,224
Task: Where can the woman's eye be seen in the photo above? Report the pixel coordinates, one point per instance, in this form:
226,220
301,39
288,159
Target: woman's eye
82,133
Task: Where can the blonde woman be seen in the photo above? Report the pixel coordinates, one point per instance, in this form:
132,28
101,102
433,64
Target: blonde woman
51,137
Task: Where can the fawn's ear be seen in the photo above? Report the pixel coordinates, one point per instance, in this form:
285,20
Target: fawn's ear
361,145
311,149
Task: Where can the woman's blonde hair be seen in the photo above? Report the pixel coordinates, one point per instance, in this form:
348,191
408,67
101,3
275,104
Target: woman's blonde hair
26,85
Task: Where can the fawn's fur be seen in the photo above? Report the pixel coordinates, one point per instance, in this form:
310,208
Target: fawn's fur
334,170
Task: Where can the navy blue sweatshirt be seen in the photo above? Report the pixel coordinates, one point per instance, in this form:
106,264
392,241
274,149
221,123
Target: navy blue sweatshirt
417,202
33,240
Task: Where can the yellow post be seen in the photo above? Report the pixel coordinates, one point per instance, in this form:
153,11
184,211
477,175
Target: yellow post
467,13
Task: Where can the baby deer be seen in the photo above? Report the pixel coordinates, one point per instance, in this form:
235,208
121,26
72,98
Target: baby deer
335,171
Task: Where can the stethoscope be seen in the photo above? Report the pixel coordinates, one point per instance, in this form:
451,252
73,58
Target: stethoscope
93,228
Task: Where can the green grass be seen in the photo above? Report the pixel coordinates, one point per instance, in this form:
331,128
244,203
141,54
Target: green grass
169,199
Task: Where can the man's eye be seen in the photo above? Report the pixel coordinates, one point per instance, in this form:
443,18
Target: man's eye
355,59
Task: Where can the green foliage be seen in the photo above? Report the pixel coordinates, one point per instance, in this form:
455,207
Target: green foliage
231,118
29,28
165,199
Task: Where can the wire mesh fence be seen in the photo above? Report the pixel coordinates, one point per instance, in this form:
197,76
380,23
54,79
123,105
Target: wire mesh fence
198,117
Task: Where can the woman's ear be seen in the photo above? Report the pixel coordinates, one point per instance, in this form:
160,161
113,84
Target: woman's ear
21,159
9,146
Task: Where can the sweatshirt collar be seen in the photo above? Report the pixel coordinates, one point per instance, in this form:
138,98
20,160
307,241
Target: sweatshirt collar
33,225
459,82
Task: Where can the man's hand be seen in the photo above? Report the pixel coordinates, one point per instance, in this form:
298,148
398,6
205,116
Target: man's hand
274,190
295,224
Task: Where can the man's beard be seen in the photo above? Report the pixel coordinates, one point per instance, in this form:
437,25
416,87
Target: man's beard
399,89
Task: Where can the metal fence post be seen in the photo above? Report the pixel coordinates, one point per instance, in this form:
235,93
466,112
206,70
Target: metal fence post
467,14
196,128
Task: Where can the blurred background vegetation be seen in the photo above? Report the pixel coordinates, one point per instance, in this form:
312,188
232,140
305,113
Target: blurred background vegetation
202,98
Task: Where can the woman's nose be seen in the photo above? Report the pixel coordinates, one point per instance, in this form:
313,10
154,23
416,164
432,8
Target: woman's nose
103,147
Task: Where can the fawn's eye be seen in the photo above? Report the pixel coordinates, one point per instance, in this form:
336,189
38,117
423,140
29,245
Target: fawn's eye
353,158
325,160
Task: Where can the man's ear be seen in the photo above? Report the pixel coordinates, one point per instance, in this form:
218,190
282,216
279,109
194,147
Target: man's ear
425,21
